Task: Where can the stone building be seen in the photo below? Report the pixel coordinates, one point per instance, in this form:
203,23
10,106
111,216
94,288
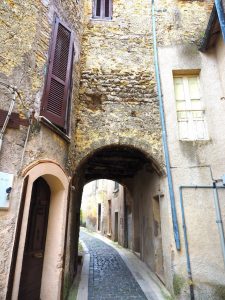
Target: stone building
103,209
40,54
84,77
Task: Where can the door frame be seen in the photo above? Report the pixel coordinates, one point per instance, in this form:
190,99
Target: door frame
116,226
52,272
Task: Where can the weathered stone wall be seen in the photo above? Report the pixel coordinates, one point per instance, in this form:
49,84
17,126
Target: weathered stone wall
181,22
117,91
25,33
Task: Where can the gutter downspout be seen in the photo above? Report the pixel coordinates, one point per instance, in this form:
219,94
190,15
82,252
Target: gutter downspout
7,118
221,16
218,221
164,135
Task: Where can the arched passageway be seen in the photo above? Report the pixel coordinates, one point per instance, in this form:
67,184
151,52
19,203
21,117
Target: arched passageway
140,177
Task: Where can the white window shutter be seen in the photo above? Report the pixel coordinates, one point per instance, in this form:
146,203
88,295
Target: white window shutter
190,113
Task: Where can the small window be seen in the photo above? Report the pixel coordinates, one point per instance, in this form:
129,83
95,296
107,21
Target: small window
56,98
190,112
116,186
102,9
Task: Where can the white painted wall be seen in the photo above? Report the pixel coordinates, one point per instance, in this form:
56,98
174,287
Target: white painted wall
190,161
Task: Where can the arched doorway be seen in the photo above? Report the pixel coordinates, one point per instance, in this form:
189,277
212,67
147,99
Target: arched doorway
41,234
140,174
33,257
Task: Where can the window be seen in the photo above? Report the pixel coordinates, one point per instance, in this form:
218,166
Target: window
102,9
56,97
116,186
190,112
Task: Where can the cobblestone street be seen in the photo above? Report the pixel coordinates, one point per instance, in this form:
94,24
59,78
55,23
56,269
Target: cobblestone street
109,277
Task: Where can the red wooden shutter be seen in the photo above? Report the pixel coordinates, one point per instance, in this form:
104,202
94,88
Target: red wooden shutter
55,99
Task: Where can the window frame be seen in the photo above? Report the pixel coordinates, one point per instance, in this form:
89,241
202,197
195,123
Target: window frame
102,10
191,121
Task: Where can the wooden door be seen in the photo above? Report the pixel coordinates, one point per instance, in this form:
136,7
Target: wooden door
30,282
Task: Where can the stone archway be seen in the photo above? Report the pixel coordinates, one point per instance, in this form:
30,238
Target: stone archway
58,183
140,173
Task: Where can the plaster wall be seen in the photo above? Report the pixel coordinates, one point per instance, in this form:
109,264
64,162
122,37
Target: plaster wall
117,202
89,206
101,193
190,162
146,188
220,48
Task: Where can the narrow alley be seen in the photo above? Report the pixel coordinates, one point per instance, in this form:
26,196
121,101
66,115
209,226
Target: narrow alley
112,152
109,276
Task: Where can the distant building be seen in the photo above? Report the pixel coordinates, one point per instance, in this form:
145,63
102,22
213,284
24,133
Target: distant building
103,208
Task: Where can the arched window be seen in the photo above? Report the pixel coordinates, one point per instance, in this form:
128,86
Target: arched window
102,9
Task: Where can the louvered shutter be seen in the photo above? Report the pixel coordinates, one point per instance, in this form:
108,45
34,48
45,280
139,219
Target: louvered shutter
55,99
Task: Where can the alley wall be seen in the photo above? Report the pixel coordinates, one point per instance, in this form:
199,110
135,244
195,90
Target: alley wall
197,162
25,33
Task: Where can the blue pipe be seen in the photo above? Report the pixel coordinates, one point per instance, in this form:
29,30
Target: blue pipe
221,16
164,135
185,231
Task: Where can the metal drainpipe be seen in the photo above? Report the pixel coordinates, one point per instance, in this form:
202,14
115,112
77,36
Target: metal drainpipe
7,118
164,136
221,16
218,221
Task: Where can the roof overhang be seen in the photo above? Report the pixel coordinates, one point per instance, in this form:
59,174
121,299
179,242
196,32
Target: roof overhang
212,31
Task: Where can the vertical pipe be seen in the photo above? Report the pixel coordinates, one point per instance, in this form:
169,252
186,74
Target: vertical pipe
164,135
7,118
25,145
186,246
221,16
219,219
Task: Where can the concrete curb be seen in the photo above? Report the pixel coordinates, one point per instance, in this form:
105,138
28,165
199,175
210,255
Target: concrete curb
82,293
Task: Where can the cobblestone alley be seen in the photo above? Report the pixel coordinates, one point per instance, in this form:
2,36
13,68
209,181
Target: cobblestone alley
109,277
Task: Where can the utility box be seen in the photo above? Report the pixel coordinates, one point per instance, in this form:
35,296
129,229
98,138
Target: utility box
6,181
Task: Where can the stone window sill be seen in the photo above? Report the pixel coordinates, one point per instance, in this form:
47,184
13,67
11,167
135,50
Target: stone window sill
195,141
101,20
54,128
